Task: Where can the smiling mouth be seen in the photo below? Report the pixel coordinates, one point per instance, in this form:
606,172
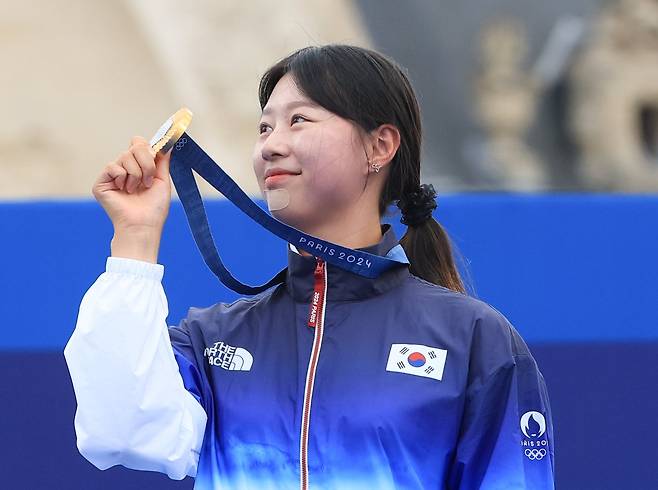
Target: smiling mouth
278,179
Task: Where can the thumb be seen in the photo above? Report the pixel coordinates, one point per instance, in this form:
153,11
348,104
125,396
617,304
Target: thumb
162,165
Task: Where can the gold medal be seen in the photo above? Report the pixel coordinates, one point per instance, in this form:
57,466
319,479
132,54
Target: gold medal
171,130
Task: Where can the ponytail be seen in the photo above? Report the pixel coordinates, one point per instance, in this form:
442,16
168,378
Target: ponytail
426,243
428,249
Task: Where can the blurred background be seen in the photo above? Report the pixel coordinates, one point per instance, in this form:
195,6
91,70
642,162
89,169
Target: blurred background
540,135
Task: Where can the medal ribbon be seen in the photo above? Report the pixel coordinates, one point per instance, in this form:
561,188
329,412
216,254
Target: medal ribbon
187,155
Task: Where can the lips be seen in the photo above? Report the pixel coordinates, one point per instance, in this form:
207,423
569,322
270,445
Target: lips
275,180
279,171
276,175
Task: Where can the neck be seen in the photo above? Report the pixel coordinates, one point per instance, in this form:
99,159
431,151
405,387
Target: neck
350,237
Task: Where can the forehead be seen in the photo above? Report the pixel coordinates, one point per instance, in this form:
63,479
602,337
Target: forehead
286,86
286,93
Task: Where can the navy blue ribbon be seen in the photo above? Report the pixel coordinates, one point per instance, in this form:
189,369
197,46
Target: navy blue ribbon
187,156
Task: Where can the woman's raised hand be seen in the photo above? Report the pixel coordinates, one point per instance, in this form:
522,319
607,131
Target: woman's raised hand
135,192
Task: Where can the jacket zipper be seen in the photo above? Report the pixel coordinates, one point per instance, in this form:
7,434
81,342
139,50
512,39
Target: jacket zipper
315,321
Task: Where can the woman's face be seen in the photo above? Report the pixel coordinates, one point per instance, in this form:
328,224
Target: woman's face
322,154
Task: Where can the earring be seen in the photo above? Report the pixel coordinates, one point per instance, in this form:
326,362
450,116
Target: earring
376,167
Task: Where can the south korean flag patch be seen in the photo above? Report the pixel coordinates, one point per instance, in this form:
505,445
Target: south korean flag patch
416,359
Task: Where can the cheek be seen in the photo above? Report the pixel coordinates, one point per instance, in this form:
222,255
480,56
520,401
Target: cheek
259,169
256,160
258,164
334,165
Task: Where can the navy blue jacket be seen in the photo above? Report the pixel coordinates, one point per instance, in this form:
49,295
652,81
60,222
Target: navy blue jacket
332,380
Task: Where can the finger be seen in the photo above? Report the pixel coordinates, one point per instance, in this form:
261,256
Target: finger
145,157
119,174
112,173
134,171
162,166
138,140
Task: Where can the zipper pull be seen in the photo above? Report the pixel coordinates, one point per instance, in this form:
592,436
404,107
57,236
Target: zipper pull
318,293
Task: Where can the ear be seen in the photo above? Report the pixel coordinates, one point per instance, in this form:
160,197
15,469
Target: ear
384,143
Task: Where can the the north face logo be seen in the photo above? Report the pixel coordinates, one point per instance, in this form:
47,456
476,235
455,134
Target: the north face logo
228,357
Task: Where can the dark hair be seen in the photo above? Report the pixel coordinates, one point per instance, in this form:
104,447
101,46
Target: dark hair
370,89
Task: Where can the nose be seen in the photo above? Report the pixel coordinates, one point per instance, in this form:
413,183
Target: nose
275,145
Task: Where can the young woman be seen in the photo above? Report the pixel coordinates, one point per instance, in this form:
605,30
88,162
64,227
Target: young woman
328,379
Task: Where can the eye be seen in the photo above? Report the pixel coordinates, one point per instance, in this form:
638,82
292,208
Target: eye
262,128
296,117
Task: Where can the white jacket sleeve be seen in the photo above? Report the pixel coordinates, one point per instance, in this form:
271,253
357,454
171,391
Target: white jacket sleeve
133,409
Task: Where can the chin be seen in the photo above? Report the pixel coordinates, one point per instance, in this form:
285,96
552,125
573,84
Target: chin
286,215
292,218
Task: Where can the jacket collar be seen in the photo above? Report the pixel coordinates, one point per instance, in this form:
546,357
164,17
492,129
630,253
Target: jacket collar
341,284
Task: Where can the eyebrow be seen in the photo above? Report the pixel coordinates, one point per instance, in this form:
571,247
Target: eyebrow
292,105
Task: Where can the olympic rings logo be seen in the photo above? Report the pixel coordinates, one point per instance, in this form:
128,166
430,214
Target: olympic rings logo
535,454
181,143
